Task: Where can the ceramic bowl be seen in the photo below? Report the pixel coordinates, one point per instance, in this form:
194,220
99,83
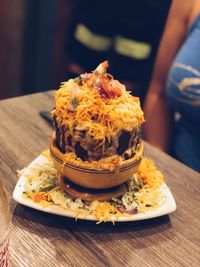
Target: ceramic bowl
86,175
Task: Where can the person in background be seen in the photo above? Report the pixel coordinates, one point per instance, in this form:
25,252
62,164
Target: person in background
172,105
125,33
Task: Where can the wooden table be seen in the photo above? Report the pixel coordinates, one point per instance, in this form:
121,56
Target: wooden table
39,239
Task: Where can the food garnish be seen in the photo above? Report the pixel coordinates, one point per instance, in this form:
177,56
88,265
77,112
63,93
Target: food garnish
144,192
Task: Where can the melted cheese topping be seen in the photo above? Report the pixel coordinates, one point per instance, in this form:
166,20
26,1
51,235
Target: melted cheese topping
83,107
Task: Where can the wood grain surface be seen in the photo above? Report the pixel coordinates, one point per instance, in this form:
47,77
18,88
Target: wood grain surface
39,239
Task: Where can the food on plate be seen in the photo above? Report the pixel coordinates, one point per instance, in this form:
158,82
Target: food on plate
96,119
144,192
96,125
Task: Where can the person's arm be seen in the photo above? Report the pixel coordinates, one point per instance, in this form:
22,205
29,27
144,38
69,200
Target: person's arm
157,112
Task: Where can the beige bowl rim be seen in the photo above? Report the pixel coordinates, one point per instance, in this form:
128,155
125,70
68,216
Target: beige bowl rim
89,167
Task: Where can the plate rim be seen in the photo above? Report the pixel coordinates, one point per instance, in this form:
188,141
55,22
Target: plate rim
168,207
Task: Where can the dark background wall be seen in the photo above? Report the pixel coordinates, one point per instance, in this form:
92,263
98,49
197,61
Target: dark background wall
39,29
32,34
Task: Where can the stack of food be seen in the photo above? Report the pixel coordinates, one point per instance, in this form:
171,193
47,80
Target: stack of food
96,145
96,119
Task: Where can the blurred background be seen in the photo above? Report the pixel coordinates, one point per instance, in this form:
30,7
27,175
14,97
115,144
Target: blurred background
32,34
40,39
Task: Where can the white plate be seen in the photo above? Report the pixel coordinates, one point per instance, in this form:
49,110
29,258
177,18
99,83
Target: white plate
168,207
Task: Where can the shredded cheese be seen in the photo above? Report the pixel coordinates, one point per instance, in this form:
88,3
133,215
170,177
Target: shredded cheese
149,173
150,196
101,117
